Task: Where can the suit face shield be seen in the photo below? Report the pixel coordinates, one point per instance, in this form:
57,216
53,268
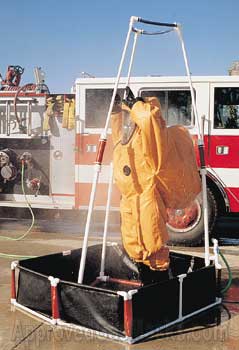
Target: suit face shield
128,127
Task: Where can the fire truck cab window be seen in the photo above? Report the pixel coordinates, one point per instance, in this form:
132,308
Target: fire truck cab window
97,102
175,104
226,108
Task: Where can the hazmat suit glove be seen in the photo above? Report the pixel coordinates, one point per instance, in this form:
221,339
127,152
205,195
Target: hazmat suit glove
130,100
117,104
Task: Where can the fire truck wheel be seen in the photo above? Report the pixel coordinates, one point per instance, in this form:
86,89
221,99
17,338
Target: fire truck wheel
185,226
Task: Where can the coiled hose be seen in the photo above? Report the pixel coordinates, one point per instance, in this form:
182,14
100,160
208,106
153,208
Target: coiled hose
10,256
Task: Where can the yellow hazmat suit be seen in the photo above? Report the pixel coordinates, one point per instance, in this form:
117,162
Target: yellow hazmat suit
156,169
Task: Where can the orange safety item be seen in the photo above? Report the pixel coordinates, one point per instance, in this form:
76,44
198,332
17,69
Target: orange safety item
154,170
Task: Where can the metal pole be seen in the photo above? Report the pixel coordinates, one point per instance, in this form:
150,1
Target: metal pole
103,254
88,221
203,170
102,144
179,31
132,20
132,58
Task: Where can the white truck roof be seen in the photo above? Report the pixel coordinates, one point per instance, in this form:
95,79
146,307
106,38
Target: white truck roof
159,79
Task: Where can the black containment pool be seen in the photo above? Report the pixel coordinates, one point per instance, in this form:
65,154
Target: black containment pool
121,307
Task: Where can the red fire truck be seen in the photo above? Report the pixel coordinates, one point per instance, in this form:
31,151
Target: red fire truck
57,137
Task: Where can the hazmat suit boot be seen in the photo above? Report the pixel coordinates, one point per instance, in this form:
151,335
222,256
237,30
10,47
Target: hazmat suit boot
149,276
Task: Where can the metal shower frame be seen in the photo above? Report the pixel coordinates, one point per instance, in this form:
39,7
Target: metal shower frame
103,139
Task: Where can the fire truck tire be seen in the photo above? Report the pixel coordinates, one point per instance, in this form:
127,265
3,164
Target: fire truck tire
185,227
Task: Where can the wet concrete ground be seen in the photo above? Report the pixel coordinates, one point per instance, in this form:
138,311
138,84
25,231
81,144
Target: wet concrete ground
216,330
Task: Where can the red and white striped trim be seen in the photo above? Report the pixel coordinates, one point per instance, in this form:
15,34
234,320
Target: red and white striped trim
224,167
228,176
85,156
82,196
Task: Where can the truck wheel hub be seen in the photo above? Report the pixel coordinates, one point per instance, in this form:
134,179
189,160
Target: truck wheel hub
181,220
